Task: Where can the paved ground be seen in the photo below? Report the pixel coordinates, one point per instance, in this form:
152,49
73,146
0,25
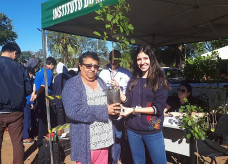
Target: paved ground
31,151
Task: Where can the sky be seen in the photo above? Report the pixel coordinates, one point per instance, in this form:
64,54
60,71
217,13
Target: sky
26,18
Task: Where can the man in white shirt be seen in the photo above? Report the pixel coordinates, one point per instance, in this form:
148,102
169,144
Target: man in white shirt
122,76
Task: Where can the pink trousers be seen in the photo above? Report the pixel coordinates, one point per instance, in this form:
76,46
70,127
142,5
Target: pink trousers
99,156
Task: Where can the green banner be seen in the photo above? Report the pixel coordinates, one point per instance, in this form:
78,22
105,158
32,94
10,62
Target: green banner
58,11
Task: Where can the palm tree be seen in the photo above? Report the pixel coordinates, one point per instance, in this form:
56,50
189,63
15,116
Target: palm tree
62,45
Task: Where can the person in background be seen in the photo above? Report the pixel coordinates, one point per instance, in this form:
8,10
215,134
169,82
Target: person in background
122,76
72,73
27,112
39,96
174,102
143,105
85,102
57,87
32,63
15,85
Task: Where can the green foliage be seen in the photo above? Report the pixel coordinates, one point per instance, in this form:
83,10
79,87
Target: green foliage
67,48
170,56
25,56
203,69
198,48
126,58
219,43
62,45
117,24
6,30
194,126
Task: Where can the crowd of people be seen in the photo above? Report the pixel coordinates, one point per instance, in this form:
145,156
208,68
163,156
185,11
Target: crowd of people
97,129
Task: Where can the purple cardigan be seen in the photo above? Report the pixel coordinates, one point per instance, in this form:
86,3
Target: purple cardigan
81,115
144,97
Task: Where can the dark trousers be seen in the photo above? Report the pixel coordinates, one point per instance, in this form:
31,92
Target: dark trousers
42,121
61,116
27,121
42,118
14,123
118,128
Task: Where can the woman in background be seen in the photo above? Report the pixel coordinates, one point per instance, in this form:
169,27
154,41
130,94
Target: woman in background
174,102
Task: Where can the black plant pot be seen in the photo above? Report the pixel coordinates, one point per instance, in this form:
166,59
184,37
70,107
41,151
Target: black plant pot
113,96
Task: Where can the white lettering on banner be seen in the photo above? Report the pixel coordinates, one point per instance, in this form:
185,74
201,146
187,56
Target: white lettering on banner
79,4
98,1
87,3
63,10
72,6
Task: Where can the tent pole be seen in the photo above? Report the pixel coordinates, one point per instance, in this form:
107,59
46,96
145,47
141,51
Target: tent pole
44,48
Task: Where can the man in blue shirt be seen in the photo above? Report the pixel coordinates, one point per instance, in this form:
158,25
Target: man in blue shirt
39,96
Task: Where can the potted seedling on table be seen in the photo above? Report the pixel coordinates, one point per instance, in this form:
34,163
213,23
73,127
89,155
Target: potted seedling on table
193,123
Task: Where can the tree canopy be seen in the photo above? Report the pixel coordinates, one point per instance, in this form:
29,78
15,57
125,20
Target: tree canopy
67,48
6,30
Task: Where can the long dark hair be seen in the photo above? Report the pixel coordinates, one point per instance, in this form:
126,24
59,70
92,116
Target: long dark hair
155,75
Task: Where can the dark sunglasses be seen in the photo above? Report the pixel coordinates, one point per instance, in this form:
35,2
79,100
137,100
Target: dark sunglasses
181,90
89,66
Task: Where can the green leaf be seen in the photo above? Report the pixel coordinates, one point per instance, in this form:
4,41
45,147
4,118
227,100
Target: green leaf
105,34
117,17
126,42
189,136
121,29
107,26
109,17
189,123
196,129
113,21
196,136
97,18
130,27
202,138
97,33
132,41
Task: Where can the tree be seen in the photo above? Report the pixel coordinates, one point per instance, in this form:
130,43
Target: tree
67,48
90,44
126,57
6,30
171,55
117,24
25,56
203,69
95,45
62,45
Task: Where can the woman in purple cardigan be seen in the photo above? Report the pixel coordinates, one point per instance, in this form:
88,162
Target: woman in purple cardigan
85,102
144,104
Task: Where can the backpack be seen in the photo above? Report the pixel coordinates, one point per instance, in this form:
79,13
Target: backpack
43,156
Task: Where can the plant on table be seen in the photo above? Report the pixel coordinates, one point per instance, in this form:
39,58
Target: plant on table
194,125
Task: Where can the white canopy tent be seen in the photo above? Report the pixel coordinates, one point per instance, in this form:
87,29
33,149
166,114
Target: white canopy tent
222,52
